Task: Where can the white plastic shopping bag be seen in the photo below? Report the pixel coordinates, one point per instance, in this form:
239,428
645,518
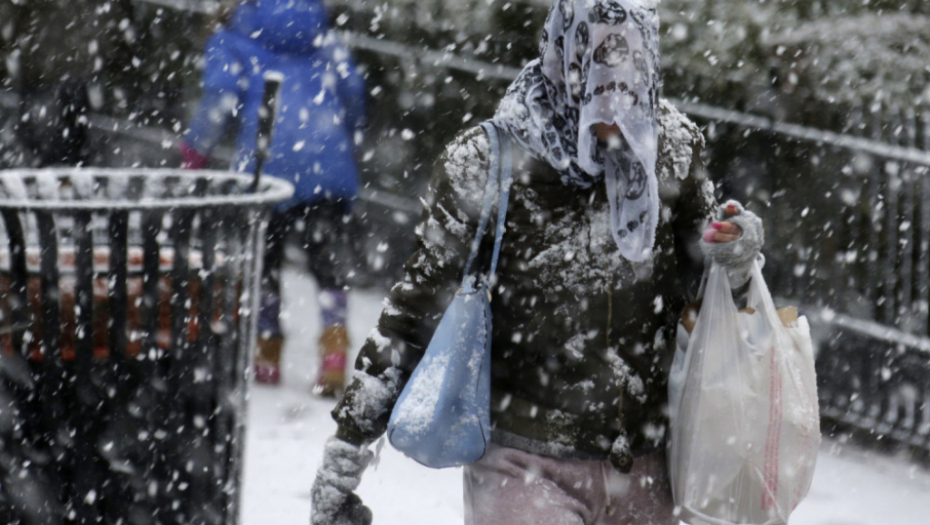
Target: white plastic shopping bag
745,426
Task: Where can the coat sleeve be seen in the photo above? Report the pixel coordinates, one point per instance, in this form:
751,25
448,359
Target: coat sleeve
695,209
697,206
414,306
222,93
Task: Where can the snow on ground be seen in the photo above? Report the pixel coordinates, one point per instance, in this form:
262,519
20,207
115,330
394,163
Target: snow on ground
853,486
287,427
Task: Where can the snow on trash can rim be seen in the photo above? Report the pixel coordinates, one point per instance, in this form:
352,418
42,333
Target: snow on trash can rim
63,189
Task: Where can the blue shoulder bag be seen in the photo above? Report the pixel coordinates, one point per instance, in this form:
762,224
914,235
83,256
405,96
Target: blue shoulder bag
442,418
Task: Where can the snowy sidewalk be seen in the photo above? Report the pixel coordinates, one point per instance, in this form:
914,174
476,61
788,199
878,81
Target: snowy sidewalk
287,428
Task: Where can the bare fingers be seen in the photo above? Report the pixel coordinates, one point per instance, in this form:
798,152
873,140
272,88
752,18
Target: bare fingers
722,232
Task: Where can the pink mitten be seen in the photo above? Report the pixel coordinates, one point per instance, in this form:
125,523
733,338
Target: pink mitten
191,159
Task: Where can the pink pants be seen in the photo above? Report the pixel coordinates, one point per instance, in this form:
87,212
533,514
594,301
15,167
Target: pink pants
511,487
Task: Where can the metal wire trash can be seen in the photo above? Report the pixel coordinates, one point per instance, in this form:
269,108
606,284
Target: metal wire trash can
127,301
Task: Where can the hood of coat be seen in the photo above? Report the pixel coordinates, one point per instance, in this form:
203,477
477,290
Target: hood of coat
290,27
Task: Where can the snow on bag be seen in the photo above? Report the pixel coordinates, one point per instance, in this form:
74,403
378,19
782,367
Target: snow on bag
442,417
745,425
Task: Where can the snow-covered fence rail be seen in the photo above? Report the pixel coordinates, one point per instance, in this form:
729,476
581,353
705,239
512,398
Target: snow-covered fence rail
875,378
207,7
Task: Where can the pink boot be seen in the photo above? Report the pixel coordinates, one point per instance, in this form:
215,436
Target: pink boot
334,344
268,360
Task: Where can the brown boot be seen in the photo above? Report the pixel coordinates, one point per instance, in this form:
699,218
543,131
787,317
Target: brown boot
268,360
334,344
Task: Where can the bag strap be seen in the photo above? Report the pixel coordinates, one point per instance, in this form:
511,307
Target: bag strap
500,165
704,276
506,170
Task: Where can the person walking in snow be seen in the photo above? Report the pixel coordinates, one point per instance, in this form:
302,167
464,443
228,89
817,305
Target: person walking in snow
600,255
320,118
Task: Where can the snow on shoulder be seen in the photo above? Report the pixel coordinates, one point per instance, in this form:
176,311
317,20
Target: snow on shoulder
680,137
465,162
466,157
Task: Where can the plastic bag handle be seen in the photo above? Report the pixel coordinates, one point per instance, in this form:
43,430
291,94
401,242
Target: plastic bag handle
759,294
717,282
703,285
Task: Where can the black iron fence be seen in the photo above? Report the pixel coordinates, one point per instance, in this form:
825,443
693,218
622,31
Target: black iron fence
848,237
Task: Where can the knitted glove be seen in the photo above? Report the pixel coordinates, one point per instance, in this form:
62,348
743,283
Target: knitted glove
191,159
737,256
333,499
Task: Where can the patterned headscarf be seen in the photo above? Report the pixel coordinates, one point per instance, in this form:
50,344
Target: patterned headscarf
599,63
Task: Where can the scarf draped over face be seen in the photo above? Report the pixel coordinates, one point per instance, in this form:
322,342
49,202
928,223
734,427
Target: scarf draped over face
599,63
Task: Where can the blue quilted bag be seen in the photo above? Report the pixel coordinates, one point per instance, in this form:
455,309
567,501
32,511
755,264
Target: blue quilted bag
442,418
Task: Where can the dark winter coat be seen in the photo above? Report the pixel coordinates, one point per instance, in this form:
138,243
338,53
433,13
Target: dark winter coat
578,330
321,102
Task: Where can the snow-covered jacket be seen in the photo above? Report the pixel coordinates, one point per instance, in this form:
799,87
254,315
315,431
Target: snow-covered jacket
321,103
581,340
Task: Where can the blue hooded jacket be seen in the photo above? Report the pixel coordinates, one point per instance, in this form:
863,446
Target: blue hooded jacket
321,104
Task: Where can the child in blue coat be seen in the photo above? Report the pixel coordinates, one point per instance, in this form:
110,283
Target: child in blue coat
319,120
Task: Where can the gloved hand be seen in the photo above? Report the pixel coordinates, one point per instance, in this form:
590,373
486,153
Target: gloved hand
734,241
333,499
191,159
